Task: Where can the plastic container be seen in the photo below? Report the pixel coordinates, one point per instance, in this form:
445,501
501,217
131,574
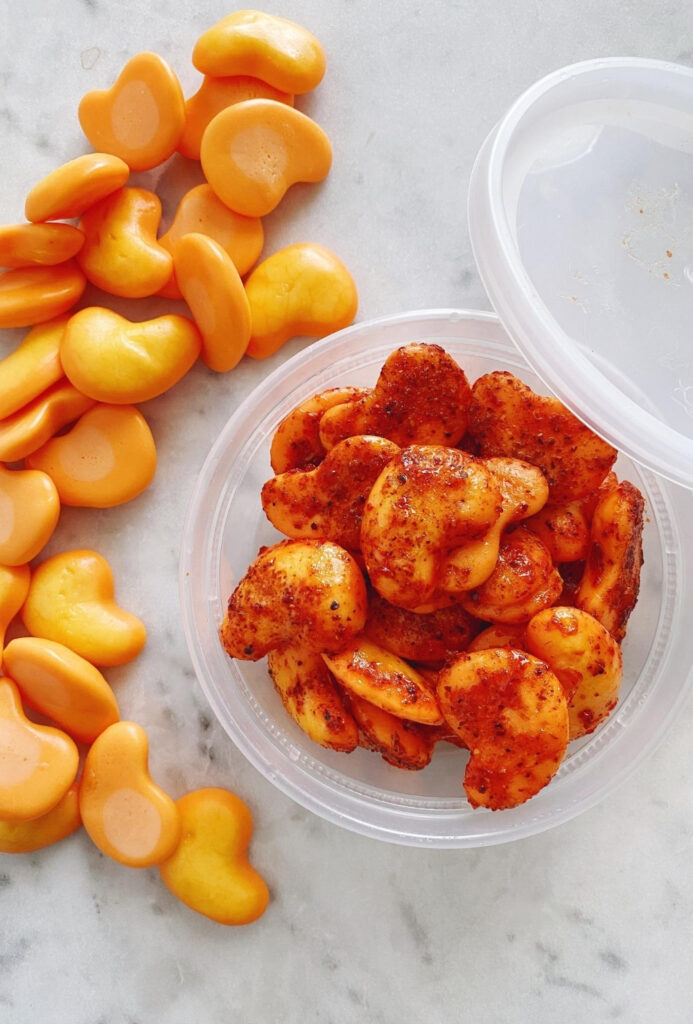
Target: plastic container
581,216
581,220
226,526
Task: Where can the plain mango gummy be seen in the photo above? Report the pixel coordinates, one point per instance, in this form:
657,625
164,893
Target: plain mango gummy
58,823
120,254
199,211
209,870
213,96
107,458
73,187
32,367
261,45
71,601
62,686
26,430
252,152
114,360
32,295
127,816
29,512
301,290
140,118
14,586
213,290
38,763
24,245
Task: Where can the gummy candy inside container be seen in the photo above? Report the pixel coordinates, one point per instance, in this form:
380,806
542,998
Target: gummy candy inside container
225,528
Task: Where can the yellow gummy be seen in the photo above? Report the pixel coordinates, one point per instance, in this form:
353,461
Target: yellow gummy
58,823
120,253
215,95
200,211
38,764
126,814
26,430
141,117
254,43
301,290
114,360
32,295
29,511
252,152
106,459
209,870
32,367
22,245
213,289
71,601
75,186
14,586
62,686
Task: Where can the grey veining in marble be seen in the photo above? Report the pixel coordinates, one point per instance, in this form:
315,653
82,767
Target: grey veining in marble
590,922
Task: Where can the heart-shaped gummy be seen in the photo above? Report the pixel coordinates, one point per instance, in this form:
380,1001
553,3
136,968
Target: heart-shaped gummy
141,117
29,511
210,871
126,814
38,764
71,601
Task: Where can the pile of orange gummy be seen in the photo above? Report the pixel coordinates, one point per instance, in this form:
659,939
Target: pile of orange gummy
71,432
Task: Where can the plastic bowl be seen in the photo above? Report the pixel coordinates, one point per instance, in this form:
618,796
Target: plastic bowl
225,526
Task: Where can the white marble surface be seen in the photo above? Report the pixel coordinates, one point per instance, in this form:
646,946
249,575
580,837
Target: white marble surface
592,921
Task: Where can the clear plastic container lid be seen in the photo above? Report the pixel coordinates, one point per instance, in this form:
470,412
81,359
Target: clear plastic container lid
581,219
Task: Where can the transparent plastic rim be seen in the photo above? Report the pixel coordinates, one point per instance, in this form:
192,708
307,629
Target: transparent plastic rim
614,752
547,348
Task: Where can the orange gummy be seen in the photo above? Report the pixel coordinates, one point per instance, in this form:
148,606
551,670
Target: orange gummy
14,586
253,43
200,211
71,601
73,187
210,871
30,427
127,816
213,289
106,459
61,685
252,152
213,96
141,117
302,289
58,823
23,245
32,367
29,511
121,254
38,763
117,361
31,295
